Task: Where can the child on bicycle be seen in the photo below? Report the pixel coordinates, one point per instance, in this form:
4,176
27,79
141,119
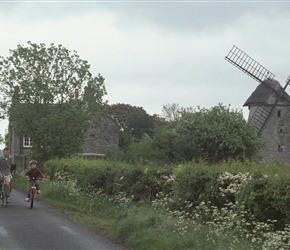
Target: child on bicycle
35,172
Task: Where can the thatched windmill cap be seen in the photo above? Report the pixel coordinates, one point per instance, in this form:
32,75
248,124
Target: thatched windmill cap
265,90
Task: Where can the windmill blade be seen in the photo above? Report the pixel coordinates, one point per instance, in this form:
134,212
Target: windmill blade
287,82
261,117
248,65
263,113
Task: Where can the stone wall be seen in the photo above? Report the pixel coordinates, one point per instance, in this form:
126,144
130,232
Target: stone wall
101,136
277,136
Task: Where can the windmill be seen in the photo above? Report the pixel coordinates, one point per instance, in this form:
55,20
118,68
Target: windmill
262,113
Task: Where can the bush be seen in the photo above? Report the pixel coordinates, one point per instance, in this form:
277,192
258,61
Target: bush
267,199
138,181
198,183
143,152
214,135
258,189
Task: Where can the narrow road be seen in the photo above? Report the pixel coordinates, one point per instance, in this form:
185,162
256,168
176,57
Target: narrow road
42,228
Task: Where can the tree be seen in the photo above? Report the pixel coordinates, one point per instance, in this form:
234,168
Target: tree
171,112
2,139
119,112
133,122
139,123
213,135
49,94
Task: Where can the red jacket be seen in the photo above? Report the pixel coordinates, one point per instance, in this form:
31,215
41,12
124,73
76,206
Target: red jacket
36,173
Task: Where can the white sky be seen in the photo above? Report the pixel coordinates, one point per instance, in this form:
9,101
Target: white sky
152,53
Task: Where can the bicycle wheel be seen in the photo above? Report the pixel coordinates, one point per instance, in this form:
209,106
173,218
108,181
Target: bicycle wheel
32,194
4,195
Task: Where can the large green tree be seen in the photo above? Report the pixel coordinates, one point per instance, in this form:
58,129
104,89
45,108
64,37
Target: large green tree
213,135
50,95
133,122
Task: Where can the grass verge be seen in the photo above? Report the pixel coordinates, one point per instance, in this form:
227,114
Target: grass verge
139,225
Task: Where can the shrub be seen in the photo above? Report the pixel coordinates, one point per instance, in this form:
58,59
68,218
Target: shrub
138,181
267,198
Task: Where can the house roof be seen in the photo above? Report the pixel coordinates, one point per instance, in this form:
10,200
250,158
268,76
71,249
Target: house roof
265,90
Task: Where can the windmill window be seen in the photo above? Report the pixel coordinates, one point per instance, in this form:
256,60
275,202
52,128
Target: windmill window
279,113
280,130
280,148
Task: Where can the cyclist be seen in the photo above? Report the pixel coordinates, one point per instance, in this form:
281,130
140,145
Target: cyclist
5,164
35,172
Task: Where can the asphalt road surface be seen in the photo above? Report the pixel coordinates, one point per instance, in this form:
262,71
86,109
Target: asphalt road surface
42,228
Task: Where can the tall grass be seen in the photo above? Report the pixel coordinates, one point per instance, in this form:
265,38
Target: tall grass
157,225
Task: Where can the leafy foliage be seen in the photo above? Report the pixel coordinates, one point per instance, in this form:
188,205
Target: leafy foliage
267,198
213,135
135,180
183,225
50,96
142,152
258,193
133,121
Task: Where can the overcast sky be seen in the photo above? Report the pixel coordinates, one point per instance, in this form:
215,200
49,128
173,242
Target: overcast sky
153,53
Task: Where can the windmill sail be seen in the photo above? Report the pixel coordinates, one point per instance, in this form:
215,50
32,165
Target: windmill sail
248,65
265,98
261,117
287,82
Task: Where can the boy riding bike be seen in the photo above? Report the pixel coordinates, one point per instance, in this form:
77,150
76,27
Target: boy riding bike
33,172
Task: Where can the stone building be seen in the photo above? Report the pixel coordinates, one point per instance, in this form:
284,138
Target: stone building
100,137
269,113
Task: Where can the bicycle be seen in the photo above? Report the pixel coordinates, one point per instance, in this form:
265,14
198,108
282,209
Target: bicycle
4,190
32,191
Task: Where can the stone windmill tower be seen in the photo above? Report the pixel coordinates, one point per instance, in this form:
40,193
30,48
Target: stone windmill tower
269,107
